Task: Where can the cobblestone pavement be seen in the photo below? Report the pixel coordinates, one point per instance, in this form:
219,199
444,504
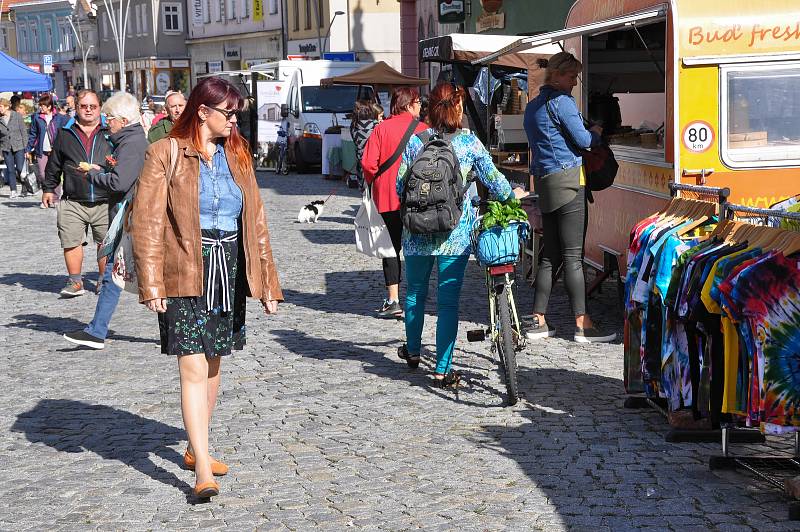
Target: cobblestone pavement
324,428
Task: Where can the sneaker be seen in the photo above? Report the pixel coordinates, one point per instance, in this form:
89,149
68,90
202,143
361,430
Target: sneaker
84,338
73,289
390,309
537,331
593,335
14,194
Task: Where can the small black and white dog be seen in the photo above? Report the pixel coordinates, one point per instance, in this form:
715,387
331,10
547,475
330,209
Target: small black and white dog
311,212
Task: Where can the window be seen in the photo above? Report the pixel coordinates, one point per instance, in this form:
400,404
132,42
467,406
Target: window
230,9
145,14
273,7
48,35
245,8
23,39
129,25
138,19
207,11
4,38
172,16
220,10
336,99
308,14
104,16
296,15
34,38
760,112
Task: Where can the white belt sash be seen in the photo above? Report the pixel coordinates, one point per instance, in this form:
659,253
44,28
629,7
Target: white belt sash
218,266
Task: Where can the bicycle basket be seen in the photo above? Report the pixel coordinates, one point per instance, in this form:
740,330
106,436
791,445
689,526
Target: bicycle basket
498,245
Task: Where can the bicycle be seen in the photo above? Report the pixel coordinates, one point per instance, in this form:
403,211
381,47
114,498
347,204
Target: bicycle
498,250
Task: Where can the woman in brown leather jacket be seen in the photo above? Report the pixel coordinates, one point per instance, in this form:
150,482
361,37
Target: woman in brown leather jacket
201,245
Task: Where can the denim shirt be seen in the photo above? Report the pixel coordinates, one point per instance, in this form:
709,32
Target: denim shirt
551,152
220,196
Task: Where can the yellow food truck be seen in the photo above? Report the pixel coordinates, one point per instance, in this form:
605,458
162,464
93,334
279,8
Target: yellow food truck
690,91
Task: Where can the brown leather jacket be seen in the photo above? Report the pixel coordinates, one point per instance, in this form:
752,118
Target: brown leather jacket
166,228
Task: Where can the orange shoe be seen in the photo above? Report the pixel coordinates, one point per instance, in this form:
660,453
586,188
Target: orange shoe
217,468
205,490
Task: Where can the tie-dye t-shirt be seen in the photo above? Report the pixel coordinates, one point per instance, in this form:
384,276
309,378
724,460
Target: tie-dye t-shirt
768,295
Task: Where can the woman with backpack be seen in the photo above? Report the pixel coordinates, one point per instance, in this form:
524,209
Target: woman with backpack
450,251
557,169
379,164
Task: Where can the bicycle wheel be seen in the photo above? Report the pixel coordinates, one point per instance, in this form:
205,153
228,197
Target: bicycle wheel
504,341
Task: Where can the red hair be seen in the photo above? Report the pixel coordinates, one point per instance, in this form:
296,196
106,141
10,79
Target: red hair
445,107
213,92
402,98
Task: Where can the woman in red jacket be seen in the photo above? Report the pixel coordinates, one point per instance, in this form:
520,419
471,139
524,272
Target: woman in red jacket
381,146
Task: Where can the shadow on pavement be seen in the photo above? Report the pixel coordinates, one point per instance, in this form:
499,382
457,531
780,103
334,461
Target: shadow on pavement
46,282
61,324
21,204
330,236
113,434
378,362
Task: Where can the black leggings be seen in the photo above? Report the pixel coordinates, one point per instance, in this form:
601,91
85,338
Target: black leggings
562,243
392,267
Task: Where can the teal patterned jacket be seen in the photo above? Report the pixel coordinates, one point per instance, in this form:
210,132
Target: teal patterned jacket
471,154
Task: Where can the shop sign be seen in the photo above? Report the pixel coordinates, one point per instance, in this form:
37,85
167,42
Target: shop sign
494,21
451,11
214,66
232,52
34,66
439,48
201,68
162,63
163,81
197,12
258,10
180,63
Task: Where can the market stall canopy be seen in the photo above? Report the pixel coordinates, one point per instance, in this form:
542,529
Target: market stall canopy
376,74
536,42
14,76
468,48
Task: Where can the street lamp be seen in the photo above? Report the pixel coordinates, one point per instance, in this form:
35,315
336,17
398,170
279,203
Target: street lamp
327,33
86,84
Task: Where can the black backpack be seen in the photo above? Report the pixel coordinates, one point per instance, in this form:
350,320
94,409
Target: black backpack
433,193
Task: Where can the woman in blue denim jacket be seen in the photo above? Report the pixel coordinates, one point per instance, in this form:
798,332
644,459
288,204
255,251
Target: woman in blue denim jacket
557,169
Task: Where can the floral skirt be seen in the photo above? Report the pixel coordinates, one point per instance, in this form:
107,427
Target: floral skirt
213,323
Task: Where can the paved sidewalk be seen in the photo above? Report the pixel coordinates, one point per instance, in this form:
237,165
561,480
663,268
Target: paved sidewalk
323,427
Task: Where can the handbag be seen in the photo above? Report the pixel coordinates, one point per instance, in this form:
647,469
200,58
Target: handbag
29,181
123,273
372,235
599,164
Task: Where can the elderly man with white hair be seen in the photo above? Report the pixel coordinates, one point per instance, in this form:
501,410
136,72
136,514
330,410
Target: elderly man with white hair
118,175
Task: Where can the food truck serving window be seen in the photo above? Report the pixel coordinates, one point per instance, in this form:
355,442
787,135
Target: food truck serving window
760,115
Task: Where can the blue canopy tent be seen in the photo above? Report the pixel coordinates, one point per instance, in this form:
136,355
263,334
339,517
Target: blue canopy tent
15,76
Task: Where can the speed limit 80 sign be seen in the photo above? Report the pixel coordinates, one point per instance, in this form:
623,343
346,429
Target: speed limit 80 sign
698,136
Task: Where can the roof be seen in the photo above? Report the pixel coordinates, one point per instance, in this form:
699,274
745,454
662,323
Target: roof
14,76
375,74
8,4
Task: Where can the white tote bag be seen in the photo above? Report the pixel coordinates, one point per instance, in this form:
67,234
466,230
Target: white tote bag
372,236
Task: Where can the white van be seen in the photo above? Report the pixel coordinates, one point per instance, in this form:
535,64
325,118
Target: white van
310,109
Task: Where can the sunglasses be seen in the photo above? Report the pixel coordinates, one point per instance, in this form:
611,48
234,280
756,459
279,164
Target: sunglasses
228,113
88,106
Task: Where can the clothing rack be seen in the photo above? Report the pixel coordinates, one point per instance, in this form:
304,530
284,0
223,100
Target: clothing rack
774,470
674,435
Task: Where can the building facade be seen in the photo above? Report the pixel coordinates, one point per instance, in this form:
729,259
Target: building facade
42,29
83,24
233,34
8,29
156,56
516,17
369,28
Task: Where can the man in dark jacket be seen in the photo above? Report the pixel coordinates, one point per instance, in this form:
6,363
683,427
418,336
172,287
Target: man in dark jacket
118,176
12,143
174,104
83,141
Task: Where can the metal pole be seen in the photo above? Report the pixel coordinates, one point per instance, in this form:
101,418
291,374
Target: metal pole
86,84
